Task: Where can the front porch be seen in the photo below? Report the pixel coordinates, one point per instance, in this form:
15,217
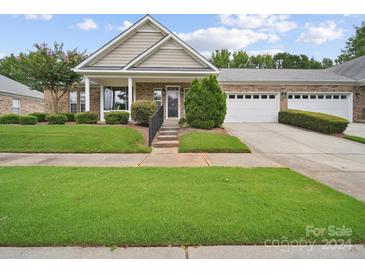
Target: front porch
104,94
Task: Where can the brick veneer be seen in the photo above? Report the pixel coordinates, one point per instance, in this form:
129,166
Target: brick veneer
27,104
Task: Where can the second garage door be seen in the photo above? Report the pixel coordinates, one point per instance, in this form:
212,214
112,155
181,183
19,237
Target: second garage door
252,107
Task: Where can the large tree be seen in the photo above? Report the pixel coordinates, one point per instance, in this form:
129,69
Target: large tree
240,59
221,58
44,69
355,45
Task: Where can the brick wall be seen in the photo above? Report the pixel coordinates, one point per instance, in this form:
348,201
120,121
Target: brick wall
359,104
27,105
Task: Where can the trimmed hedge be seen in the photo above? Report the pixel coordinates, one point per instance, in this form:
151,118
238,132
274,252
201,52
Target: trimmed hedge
28,120
143,110
9,119
41,116
70,116
86,118
116,117
56,119
315,121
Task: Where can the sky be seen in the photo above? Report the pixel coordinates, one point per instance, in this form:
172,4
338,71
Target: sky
317,36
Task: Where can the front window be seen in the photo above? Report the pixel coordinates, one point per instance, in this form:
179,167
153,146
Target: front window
82,101
15,106
73,101
116,98
157,96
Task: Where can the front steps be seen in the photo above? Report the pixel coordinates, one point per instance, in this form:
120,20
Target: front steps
167,137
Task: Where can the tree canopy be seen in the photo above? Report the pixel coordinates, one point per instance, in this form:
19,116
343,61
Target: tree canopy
355,45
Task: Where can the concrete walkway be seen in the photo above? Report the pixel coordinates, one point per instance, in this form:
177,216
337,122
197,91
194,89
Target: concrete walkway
356,129
332,160
202,252
136,160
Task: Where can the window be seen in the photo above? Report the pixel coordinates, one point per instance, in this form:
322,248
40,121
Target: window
256,96
304,96
290,96
320,96
231,96
157,96
328,96
73,101
313,97
240,96
336,97
297,96
15,108
247,96
343,96
271,96
263,96
116,98
82,101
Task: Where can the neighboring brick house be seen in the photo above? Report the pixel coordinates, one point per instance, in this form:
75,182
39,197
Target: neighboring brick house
18,98
149,62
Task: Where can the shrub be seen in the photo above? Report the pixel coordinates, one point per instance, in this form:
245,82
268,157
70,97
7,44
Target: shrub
70,116
143,110
9,119
117,117
315,121
205,104
41,116
56,119
28,120
86,118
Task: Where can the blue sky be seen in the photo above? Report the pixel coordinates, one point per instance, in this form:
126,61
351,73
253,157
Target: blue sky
315,35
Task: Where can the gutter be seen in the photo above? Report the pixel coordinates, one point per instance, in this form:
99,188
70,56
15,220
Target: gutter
261,82
19,95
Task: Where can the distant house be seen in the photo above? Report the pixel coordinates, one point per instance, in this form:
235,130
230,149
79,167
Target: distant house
18,98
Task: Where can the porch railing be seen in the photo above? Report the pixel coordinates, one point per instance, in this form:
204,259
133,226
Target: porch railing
154,124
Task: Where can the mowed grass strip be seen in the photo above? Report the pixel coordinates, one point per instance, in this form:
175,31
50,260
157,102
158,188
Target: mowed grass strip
355,138
56,206
71,139
211,142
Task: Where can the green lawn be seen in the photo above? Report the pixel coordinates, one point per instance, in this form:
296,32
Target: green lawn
355,138
71,138
211,142
46,206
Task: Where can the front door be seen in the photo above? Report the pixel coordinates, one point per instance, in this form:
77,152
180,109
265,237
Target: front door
172,98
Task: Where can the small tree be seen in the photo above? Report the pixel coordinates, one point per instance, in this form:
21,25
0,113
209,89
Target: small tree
205,104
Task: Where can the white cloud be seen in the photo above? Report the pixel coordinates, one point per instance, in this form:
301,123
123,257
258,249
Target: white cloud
2,55
265,51
45,17
318,34
126,24
263,22
87,24
210,39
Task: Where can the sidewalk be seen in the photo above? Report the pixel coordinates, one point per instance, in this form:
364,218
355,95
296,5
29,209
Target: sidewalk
136,160
203,252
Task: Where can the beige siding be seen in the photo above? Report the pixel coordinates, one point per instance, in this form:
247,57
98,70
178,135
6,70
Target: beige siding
171,57
127,51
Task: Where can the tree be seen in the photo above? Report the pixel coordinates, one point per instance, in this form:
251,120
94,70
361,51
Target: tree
327,63
355,45
45,69
240,59
221,58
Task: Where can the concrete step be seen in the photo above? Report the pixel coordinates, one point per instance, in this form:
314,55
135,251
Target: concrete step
168,128
166,144
168,132
167,137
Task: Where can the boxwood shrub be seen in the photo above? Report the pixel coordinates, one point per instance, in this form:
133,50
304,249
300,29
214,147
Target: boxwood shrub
116,117
143,110
70,116
86,118
28,120
9,119
56,119
41,116
315,121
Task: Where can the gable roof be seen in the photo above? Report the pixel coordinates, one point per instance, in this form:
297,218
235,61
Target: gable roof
354,68
12,87
123,57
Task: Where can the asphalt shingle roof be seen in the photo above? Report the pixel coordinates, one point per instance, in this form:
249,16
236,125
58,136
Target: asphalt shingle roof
10,86
354,68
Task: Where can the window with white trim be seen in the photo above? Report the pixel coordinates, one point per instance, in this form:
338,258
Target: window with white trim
73,101
82,101
116,98
157,96
15,108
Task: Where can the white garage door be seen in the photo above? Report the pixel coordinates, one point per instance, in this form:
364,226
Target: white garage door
252,107
334,104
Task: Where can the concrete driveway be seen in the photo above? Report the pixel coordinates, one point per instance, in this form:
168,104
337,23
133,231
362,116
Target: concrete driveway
356,129
331,160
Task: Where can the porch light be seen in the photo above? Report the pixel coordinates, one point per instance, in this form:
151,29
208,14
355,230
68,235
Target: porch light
163,92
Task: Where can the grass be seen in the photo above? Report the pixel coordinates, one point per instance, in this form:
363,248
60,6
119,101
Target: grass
56,206
211,142
71,139
355,138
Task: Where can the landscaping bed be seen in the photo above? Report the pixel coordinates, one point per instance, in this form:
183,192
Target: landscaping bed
217,140
73,139
58,206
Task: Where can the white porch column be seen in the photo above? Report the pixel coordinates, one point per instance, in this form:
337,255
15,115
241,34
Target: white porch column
130,93
87,94
101,103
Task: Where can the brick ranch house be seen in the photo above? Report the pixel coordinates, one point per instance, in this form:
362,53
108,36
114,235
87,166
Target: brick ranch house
18,98
149,62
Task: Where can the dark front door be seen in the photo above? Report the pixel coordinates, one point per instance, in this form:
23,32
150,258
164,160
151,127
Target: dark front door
172,104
